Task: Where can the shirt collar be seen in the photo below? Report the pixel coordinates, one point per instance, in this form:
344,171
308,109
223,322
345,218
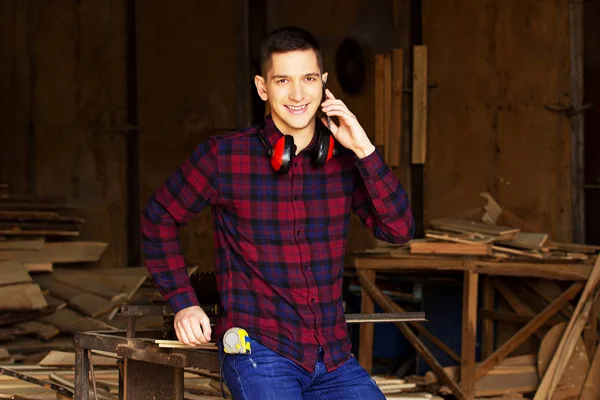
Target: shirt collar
273,134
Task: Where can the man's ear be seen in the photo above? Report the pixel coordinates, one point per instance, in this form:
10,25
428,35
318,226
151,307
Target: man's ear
324,77
261,88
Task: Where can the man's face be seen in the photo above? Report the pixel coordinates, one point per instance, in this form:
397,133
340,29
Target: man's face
293,88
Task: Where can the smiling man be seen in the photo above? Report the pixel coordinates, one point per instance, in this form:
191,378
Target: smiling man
281,193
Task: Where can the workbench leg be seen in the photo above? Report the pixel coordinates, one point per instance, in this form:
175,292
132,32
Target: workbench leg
469,334
365,348
488,336
144,380
82,372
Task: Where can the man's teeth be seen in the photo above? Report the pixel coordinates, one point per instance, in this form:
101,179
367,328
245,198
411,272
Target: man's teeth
297,108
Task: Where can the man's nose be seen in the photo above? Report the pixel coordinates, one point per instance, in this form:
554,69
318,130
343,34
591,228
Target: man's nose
296,92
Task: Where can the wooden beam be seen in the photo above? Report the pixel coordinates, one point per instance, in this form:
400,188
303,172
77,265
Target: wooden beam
379,100
515,303
388,306
419,143
395,138
387,115
527,331
469,333
488,335
365,348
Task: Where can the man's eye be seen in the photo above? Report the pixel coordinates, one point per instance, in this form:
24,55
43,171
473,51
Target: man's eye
282,81
310,78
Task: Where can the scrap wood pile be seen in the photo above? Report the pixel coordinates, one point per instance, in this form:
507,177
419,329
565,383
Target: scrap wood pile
559,319
494,234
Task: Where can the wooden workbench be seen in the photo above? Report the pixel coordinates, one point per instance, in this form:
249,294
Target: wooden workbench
368,265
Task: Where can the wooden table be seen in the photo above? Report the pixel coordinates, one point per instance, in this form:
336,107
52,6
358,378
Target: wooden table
368,265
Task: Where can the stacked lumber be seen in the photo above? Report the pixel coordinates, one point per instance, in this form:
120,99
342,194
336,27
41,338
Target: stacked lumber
24,215
56,375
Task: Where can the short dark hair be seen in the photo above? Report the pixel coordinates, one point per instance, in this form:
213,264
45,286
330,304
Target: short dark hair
286,39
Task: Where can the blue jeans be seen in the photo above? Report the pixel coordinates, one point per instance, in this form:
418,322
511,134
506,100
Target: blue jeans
267,375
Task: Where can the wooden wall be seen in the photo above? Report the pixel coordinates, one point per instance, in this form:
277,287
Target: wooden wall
497,64
64,77
63,86
187,93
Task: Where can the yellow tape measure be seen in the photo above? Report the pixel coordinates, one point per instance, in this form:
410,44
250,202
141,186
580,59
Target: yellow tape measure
235,341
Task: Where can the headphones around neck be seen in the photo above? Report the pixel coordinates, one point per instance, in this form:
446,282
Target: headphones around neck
282,154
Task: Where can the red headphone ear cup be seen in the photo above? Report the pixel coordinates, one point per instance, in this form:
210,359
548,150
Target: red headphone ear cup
331,148
281,160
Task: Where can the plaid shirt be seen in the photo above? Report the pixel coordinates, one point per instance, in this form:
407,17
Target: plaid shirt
279,240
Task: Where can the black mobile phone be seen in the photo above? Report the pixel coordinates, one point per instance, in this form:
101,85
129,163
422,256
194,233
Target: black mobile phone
323,99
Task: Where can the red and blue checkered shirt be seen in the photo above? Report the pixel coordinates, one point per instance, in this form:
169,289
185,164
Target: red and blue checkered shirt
279,239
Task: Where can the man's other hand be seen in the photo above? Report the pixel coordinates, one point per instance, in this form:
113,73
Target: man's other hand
192,326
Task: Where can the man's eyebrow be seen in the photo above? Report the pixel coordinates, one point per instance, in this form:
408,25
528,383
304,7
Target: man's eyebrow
311,74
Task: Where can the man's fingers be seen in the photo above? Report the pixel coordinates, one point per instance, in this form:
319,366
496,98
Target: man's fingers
340,114
336,107
198,335
206,328
180,332
189,332
329,94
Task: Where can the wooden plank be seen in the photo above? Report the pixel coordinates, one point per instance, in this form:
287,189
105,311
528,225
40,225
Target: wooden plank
48,216
549,290
515,303
59,252
394,142
65,359
590,334
467,238
387,115
575,247
26,296
527,240
25,244
574,329
39,267
70,321
488,335
379,100
469,333
591,388
503,351
366,331
511,317
422,247
41,330
12,272
516,252
38,232
88,282
389,306
572,381
419,137
472,226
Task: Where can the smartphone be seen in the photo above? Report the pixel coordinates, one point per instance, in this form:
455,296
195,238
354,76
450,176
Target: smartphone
323,99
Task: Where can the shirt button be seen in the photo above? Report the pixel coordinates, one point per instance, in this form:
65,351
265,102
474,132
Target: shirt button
312,300
306,267
295,164
298,233
297,198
